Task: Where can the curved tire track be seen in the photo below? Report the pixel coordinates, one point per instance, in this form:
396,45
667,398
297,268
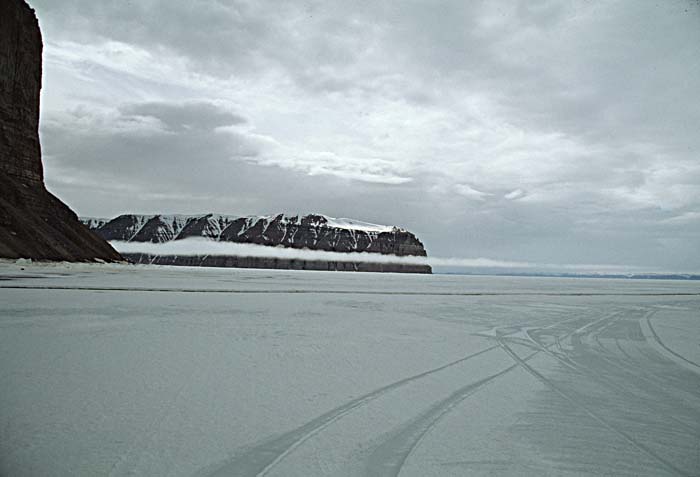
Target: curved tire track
389,458
261,458
663,345
610,384
625,435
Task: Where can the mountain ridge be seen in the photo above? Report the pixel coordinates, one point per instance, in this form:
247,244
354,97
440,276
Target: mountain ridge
311,231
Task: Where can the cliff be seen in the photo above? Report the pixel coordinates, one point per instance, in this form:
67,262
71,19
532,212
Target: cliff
273,263
33,223
312,232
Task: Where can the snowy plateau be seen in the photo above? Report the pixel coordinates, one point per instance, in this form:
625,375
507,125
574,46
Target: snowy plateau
175,371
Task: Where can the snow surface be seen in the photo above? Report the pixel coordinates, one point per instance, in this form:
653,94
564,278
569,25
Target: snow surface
351,224
94,222
137,370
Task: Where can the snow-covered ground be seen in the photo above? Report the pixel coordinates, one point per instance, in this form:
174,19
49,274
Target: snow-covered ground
125,370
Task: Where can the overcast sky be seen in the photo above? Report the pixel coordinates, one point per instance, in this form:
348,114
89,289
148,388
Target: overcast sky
556,132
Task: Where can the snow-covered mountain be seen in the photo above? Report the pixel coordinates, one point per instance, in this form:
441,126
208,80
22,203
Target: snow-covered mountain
93,222
314,232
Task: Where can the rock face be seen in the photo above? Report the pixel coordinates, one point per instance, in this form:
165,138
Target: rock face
273,263
313,232
33,223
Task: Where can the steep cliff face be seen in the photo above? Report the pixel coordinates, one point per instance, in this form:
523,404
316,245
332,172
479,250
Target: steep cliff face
313,232
20,83
33,223
274,263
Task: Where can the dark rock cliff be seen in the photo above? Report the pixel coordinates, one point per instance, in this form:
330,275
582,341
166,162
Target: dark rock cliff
274,263
312,232
33,223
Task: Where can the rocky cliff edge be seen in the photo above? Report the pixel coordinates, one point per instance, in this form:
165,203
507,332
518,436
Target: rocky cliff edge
33,222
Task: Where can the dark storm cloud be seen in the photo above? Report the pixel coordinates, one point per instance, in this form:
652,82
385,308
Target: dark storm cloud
162,144
178,117
540,131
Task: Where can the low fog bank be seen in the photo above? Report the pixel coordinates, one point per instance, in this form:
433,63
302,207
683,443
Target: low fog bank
204,247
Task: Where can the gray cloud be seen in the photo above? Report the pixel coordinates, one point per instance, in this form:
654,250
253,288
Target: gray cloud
179,117
533,131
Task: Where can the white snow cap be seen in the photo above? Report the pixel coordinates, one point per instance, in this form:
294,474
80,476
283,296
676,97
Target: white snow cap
351,224
340,223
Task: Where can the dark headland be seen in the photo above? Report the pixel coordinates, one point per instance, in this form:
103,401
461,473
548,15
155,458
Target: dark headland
33,222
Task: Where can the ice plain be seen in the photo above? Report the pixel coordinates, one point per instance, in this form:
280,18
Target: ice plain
126,370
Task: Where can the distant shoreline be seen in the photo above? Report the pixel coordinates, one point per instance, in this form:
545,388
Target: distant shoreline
617,276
